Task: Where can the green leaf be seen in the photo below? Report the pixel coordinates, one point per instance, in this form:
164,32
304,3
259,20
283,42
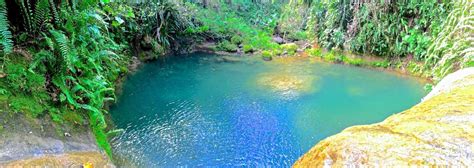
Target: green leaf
119,20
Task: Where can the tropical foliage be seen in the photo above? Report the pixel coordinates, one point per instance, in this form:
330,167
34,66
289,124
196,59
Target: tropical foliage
69,56
453,48
62,59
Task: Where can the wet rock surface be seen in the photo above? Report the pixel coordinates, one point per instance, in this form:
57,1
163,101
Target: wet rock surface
24,138
77,159
437,132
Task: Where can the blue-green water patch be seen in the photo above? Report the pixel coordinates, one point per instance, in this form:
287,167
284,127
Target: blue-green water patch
208,110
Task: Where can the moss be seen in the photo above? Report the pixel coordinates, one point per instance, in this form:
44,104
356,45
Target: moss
266,53
26,104
314,52
65,115
73,117
290,48
277,51
331,57
356,61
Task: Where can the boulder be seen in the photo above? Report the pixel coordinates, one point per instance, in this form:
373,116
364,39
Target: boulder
437,132
278,39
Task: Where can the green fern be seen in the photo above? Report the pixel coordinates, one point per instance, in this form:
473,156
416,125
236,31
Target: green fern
65,51
41,14
5,34
26,14
54,11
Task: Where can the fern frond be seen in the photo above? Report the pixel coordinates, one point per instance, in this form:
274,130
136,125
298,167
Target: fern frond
25,14
49,42
63,43
5,34
39,57
42,14
60,82
54,12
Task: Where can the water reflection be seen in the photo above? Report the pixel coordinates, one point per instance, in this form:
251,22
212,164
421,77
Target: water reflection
204,110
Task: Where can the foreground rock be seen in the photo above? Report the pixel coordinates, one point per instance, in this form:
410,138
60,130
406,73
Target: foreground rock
39,142
78,159
437,132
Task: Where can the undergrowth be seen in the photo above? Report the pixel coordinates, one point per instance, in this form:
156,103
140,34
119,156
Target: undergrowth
62,59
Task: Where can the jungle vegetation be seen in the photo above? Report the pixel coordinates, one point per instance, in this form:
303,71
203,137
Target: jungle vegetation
63,59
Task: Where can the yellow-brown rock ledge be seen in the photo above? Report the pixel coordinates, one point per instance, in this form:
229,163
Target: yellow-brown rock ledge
439,131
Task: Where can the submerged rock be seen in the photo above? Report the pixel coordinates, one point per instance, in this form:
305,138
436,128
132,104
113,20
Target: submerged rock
288,85
437,132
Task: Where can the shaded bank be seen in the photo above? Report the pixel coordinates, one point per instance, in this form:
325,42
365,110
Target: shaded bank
436,132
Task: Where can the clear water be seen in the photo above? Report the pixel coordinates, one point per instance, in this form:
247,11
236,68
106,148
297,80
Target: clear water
203,110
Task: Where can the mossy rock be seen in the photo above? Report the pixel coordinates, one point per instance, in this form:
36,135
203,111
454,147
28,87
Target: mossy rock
277,51
290,48
27,105
314,52
267,55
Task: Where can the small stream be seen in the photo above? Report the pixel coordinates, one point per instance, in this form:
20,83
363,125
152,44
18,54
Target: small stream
208,110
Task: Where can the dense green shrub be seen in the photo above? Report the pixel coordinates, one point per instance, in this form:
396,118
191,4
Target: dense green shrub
227,46
453,47
70,54
402,28
228,24
248,48
236,39
293,21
